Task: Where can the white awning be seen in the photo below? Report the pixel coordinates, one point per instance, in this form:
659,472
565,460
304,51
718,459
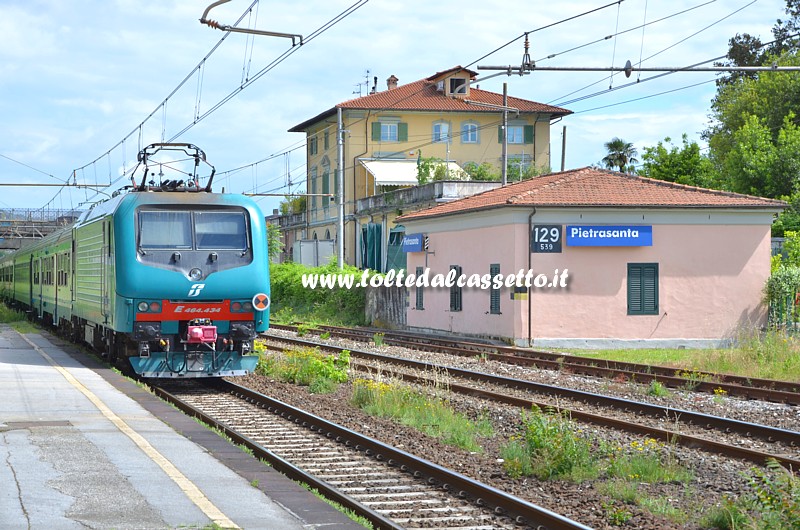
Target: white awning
392,172
404,172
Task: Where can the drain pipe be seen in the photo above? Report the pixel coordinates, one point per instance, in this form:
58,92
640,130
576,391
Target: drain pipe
530,265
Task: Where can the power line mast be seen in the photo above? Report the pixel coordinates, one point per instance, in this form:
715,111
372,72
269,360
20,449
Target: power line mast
527,66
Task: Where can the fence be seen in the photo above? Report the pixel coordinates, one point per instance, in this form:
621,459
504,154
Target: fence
784,314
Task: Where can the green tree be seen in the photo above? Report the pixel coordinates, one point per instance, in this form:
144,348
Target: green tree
292,205
484,172
684,165
620,154
748,50
789,219
762,164
274,242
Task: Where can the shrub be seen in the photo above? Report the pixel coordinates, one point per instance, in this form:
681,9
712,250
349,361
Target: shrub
335,306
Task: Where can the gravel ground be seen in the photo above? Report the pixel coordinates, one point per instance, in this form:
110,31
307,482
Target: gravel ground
714,476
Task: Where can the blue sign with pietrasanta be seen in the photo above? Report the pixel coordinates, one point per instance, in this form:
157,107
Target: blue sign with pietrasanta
413,242
609,236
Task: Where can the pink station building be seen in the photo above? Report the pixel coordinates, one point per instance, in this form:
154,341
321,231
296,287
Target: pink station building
649,263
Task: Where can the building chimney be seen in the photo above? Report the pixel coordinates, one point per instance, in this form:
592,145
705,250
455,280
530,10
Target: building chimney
392,82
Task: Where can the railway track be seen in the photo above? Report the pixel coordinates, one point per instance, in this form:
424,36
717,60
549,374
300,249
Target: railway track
749,388
726,436
388,486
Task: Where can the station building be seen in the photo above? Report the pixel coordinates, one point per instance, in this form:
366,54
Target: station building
616,260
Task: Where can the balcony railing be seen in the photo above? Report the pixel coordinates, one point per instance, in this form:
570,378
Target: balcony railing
441,191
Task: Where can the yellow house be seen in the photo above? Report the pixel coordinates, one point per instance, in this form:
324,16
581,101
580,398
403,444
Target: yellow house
387,134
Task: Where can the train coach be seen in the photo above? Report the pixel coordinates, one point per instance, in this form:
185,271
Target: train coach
172,277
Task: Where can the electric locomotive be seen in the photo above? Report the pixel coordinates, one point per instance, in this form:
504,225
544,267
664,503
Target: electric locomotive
170,277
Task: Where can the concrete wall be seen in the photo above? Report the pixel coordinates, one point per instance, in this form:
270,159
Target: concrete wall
386,307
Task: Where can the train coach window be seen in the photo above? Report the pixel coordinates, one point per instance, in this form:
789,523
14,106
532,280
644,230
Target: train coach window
220,230
165,230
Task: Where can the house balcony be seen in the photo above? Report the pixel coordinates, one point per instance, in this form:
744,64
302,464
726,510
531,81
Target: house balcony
418,197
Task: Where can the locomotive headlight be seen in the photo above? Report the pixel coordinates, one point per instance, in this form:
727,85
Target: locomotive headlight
236,306
142,307
155,307
248,306
195,274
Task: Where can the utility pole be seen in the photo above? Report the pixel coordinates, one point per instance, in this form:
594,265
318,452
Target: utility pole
504,155
340,186
563,147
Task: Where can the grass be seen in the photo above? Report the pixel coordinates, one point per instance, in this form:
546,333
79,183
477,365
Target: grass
16,319
657,389
432,415
347,511
770,355
549,447
306,366
8,315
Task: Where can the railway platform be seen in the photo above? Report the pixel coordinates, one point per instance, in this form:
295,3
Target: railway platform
83,447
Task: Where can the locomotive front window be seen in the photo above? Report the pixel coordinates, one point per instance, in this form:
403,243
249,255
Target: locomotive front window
165,230
220,230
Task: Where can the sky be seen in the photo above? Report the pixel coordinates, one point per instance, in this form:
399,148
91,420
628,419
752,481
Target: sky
85,84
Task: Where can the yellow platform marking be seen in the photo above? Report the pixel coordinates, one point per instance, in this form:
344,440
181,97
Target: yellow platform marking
192,492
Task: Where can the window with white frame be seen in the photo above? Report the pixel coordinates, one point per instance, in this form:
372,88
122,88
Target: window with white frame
441,131
516,134
388,132
469,133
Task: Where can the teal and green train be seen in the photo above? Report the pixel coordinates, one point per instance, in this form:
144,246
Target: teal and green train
172,277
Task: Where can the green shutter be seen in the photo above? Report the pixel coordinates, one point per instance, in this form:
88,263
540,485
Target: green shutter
402,132
643,288
326,188
528,134
634,289
336,184
494,294
376,131
650,290
455,290
420,293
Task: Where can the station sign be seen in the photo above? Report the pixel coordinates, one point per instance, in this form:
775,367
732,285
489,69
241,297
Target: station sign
413,242
546,238
609,236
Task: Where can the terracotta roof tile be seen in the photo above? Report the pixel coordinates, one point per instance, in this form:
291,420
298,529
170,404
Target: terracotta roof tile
592,187
422,95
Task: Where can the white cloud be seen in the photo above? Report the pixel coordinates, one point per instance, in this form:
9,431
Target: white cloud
77,77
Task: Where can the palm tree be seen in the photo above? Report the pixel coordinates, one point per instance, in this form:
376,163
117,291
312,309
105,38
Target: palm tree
620,154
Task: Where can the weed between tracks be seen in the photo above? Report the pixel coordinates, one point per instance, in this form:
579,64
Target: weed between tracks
305,366
432,415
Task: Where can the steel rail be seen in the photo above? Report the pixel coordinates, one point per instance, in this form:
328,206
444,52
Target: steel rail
763,432
503,503
282,465
751,388
695,442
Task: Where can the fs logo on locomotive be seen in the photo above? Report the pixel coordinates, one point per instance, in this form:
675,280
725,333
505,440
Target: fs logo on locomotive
195,289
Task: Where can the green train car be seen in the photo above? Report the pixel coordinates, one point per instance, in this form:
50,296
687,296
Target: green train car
172,277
